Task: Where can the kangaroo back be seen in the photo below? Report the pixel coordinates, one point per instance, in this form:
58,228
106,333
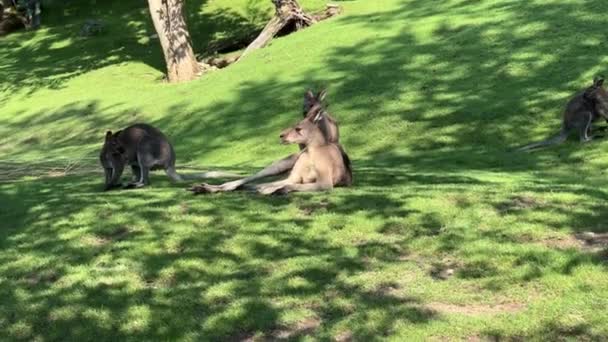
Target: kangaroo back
347,180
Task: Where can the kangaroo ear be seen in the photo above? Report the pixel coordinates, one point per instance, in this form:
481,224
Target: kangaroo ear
313,112
309,95
598,81
321,95
108,135
320,114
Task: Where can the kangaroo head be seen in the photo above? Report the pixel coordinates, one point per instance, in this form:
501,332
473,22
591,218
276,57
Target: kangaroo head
310,99
112,158
112,145
306,132
597,92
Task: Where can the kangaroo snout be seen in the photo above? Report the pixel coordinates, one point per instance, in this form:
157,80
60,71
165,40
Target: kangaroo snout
284,137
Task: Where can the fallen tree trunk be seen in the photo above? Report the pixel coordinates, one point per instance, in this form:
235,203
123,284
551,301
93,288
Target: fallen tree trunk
329,12
287,12
11,22
289,17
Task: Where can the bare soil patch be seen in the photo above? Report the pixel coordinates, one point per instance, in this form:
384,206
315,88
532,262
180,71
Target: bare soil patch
593,242
520,202
475,309
302,328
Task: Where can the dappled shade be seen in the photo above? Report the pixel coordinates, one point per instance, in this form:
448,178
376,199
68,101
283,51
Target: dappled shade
448,233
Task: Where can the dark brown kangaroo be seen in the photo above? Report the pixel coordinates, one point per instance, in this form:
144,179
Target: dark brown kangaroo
328,126
144,148
581,111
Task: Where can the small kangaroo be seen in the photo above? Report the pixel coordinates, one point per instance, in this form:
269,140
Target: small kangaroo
328,126
144,148
321,166
581,111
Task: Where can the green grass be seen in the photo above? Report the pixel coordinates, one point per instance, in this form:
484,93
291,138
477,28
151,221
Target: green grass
431,96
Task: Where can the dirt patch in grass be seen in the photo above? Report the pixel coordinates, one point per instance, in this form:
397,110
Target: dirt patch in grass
444,269
561,242
12,171
242,337
585,242
304,327
593,241
104,238
521,202
301,328
118,234
475,309
42,277
344,336
388,289
477,338
95,241
472,338
310,209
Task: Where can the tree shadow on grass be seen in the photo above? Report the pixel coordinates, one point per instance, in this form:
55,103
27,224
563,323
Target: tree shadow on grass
58,53
550,331
478,85
112,263
166,265
52,56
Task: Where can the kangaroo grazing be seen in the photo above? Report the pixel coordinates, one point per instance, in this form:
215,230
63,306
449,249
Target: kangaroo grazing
322,165
581,111
328,126
144,148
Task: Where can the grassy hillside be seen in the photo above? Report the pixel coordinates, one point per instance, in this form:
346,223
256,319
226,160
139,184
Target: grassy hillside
447,233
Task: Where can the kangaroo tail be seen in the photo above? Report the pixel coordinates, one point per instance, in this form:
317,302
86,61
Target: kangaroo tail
557,139
176,177
209,174
173,174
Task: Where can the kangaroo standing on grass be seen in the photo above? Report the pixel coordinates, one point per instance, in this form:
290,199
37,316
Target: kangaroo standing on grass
144,148
322,165
581,111
328,126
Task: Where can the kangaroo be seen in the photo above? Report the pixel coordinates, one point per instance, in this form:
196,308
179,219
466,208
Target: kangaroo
581,111
144,148
321,166
328,126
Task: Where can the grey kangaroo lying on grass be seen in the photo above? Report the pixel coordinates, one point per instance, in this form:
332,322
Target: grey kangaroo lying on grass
581,111
321,166
144,148
328,126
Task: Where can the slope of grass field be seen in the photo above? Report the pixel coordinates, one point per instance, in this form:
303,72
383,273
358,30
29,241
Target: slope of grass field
447,233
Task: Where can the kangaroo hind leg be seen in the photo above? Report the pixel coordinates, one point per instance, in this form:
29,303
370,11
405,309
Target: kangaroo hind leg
585,127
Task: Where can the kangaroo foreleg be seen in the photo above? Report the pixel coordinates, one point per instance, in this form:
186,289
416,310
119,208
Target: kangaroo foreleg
112,178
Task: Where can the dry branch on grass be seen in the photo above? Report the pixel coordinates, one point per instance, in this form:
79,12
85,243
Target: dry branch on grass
289,17
14,170
287,12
